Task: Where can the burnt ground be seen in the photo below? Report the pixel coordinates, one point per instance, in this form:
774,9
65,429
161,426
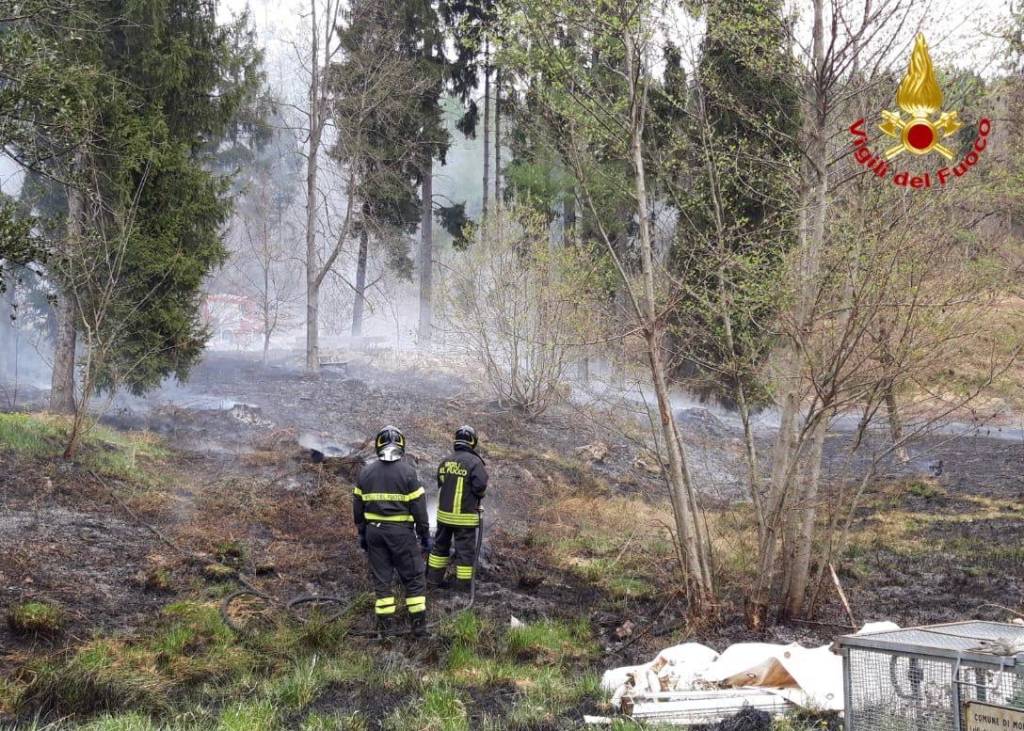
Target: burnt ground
239,487
934,544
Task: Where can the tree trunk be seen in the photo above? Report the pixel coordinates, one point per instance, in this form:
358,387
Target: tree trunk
268,324
895,422
357,306
892,407
312,309
811,236
487,129
569,218
683,498
8,332
427,255
805,514
497,138
62,383
312,266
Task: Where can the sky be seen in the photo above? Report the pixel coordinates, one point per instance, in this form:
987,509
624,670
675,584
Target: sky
958,31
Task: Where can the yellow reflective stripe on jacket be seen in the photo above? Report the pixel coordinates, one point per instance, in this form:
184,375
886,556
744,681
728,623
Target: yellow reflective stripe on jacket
403,518
457,502
397,497
458,519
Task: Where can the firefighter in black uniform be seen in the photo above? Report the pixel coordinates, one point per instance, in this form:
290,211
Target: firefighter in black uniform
390,511
462,480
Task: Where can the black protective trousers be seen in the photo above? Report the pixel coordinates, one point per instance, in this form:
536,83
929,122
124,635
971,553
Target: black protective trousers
464,540
392,548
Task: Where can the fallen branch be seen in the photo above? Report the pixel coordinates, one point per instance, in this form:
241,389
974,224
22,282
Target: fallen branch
1014,612
842,596
622,550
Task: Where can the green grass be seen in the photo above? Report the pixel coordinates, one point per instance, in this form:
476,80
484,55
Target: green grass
441,708
249,716
188,671
303,682
36,618
30,435
126,722
126,455
550,640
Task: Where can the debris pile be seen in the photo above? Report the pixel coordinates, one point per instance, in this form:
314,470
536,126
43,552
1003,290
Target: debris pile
691,684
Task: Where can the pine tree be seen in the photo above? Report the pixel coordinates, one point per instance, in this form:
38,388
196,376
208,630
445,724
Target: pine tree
727,173
151,91
372,111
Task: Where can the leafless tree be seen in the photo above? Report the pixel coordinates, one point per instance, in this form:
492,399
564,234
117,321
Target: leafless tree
522,308
322,51
262,266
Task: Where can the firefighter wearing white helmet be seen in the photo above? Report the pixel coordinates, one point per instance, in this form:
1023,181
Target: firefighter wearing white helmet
390,511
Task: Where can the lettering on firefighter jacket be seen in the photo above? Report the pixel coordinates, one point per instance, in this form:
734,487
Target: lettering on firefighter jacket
462,481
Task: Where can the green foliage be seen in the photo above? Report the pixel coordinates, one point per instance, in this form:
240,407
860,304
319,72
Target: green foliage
391,118
567,138
727,152
130,113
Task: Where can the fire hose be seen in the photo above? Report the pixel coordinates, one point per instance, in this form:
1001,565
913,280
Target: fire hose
476,557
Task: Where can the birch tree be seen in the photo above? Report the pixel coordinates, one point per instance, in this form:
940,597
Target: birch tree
601,95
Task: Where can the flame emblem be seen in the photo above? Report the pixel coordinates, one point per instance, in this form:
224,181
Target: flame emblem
920,96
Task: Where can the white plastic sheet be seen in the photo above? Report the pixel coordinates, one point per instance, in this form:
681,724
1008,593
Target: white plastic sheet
808,677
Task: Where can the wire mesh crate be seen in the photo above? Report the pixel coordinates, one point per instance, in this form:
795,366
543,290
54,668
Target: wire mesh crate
965,676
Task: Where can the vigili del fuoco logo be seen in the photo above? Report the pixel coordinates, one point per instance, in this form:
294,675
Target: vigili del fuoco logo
921,132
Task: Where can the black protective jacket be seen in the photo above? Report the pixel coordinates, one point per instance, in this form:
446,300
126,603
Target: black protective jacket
462,480
390,492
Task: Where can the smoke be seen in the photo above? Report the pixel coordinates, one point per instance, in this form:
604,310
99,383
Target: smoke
25,346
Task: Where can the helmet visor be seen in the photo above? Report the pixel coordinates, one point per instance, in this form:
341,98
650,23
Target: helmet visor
390,453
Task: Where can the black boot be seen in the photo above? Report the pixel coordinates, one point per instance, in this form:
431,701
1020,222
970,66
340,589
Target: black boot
435,579
385,626
419,625
463,585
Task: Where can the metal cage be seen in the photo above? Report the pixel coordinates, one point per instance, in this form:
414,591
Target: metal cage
922,678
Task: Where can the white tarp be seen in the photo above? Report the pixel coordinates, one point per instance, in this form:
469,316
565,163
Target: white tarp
808,677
